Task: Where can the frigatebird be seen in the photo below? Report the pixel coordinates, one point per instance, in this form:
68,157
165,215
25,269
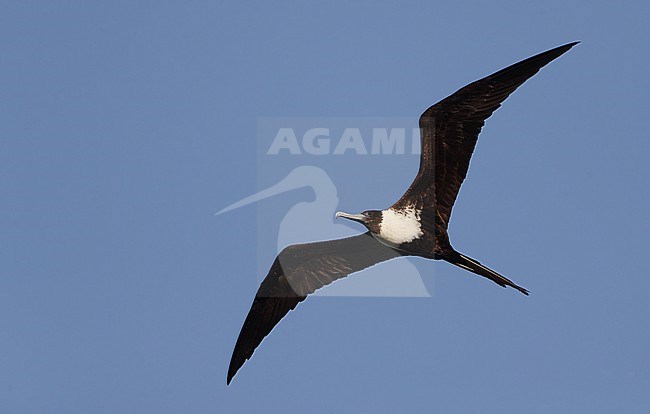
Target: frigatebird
416,225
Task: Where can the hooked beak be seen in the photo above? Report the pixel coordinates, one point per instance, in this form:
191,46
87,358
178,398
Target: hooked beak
354,217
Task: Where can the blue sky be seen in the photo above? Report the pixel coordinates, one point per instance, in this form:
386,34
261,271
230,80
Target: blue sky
124,127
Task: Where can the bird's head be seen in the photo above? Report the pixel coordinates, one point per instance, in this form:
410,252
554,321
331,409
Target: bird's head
369,218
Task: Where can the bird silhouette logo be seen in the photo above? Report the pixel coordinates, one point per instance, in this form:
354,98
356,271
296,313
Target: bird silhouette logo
396,278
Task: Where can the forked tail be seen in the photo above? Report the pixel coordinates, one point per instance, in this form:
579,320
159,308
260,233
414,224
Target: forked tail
474,266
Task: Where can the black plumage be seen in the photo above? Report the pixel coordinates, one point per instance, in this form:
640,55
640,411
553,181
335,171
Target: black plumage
449,131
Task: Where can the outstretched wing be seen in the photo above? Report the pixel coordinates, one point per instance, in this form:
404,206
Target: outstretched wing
449,131
298,271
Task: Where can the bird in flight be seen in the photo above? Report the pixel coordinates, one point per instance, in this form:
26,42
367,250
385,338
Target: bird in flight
416,225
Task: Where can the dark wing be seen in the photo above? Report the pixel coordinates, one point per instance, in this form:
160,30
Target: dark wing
298,271
450,128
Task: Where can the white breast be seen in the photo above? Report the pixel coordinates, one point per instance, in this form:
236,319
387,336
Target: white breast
399,226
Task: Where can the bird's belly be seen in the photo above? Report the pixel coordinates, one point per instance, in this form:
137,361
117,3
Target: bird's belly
399,227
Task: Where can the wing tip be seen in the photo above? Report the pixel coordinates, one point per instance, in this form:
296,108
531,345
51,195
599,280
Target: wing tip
568,46
560,50
231,373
